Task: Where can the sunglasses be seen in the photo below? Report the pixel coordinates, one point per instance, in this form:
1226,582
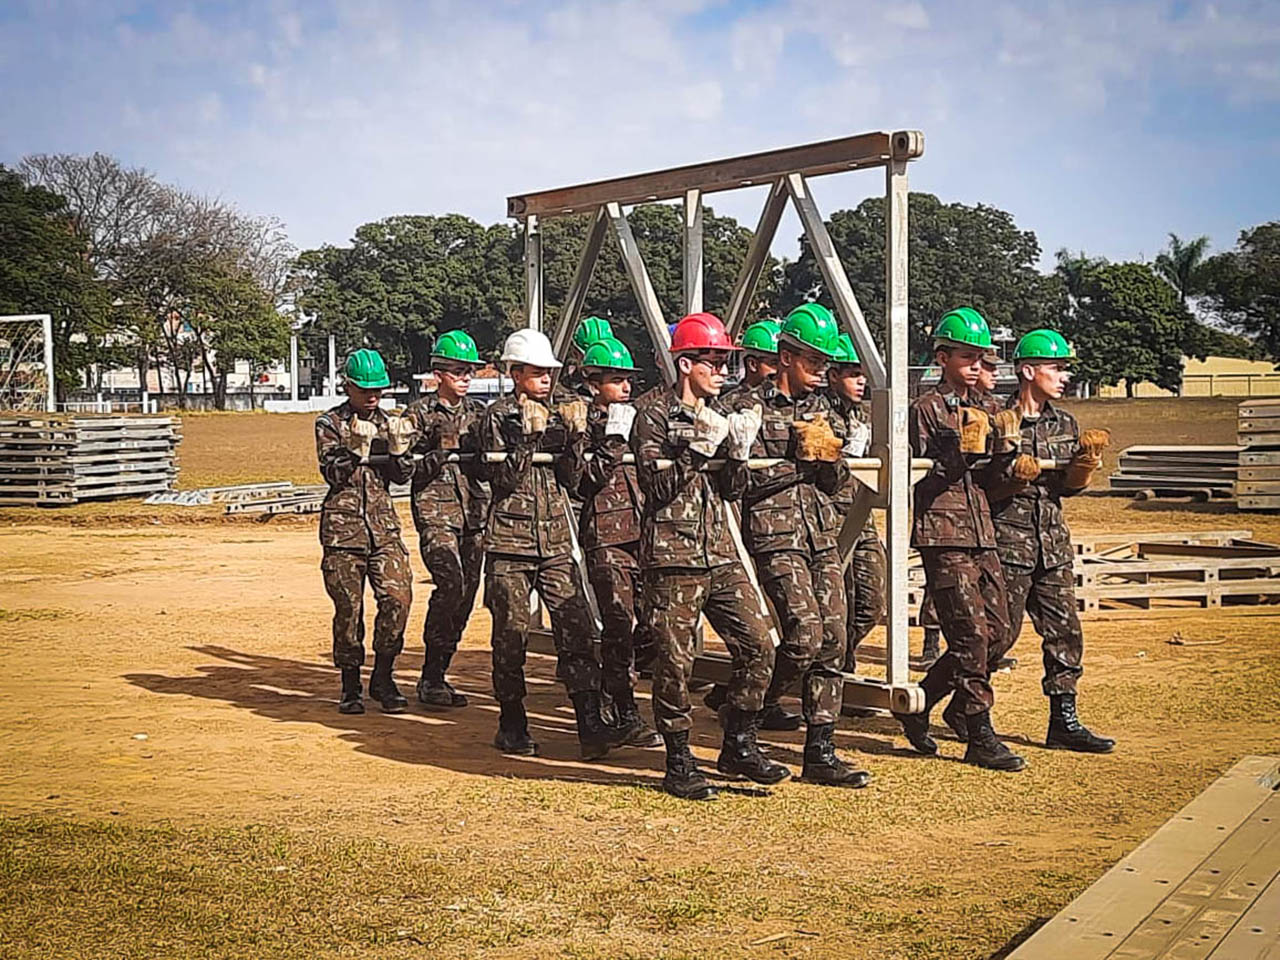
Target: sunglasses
713,360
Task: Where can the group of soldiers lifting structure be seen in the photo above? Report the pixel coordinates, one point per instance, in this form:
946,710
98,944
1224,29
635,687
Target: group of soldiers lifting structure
645,487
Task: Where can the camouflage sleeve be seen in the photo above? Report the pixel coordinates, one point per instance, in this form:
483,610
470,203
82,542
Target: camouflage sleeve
337,462
732,479
929,438
504,478
399,469
470,446
606,456
648,437
570,463
1054,480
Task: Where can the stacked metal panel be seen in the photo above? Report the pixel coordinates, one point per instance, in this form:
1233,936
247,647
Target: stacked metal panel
56,460
1183,470
1258,432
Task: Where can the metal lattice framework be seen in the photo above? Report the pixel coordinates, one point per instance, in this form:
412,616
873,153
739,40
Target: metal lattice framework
786,172
26,363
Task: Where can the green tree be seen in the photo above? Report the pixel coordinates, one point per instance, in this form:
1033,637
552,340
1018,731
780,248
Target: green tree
405,279
957,254
1181,263
1129,325
44,268
1243,286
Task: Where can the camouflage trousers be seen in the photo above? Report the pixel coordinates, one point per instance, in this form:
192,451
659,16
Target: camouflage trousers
1050,597
455,561
968,589
674,598
387,571
928,615
508,586
615,574
807,594
865,586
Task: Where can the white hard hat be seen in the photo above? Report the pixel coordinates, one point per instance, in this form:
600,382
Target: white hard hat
531,347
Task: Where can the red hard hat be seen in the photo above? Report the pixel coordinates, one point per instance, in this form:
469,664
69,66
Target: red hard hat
701,331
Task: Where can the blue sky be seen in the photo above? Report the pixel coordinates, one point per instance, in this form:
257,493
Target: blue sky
1099,126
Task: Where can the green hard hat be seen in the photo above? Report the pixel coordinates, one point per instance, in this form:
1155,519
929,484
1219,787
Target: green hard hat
846,354
458,346
812,326
1043,345
609,354
963,326
365,369
761,337
589,331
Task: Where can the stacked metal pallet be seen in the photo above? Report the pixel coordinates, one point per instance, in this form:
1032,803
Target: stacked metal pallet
57,460
1178,471
1258,433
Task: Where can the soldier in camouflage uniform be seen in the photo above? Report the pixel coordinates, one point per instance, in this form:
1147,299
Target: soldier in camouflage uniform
952,530
360,531
759,357
1031,533
791,527
528,546
690,562
570,384
450,507
864,576
609,531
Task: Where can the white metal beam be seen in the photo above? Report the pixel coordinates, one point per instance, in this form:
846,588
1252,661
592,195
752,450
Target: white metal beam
744,288
693,251
650,309
533,272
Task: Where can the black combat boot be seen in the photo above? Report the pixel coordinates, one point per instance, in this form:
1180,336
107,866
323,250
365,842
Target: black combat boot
932,649
684,779
774,717
717,697
382,685
953,714
513,730
822,764
438,693
740,754
985,748
1066,732
630,726
352,701
595,737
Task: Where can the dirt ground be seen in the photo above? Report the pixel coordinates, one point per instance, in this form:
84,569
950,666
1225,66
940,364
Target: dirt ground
175,779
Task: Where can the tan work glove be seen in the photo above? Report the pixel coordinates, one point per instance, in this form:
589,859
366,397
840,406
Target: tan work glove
1007,425
360,438
1086,462
744,426
1026,468
401,433
574,415
709,431
975,425
533,417
815,440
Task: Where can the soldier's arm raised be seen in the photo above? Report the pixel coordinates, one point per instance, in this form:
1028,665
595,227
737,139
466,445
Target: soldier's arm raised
606,455
337,461
929,438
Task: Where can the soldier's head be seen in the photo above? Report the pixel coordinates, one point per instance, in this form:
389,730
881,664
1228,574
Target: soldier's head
364,378
1043,361
990,371
760,352
845,374
810,339
531,362
454,360
701,348
609,371
960,341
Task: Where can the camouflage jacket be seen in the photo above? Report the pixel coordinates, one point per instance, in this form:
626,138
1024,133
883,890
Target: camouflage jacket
1028,516
453,494
950,502
357,513
609,489
847,412
789,506
529,515
684,521
570,386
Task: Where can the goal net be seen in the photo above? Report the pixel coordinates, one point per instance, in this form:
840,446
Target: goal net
26,363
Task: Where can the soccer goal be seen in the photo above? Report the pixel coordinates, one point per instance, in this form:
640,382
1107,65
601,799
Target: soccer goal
26,363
